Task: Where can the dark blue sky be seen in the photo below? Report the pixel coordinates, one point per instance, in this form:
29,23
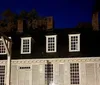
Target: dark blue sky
66,13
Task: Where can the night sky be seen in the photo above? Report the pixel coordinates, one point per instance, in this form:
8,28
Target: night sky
66,13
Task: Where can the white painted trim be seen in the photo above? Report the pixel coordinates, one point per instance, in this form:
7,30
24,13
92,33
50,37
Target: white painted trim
71,35
51,35
53,60
55,43
26,38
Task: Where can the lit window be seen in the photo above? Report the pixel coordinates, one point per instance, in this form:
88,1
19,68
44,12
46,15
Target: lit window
2,75
74,42
26,45
48,73
74,73
2,48
51,43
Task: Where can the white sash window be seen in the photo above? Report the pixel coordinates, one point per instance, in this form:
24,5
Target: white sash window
51,45
74,42
26,45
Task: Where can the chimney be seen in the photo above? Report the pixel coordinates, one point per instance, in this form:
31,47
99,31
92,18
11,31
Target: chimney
20,26
49,22
95,21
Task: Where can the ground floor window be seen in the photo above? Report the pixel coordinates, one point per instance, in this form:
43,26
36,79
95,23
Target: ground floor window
74,73
48,73
2,75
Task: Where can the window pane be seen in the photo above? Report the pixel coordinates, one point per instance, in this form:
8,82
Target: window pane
2,48
74,73
48,73
51,44
74,43
26,45
2,75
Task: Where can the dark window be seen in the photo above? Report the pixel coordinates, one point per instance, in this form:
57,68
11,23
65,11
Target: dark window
24,67
51,44
2,75
48,73
2,48
26,45
74,42
74,73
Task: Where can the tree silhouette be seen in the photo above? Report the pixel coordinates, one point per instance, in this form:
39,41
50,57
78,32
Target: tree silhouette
32,17
96,6
84,26
23,15
8,15
9,20
32,14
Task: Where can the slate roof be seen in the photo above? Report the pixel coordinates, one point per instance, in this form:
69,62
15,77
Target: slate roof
89,44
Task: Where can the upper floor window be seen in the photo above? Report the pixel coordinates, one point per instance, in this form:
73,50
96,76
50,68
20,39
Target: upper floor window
26,45
51,44
74,42
2,47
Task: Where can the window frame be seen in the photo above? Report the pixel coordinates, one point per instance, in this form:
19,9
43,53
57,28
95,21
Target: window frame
49,73
7,42
74,73
25,38
3,75
55,43
78,40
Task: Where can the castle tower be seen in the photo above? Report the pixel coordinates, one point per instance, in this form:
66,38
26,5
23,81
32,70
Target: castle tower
95,21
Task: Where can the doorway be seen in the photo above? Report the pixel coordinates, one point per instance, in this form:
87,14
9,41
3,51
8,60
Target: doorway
24,75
